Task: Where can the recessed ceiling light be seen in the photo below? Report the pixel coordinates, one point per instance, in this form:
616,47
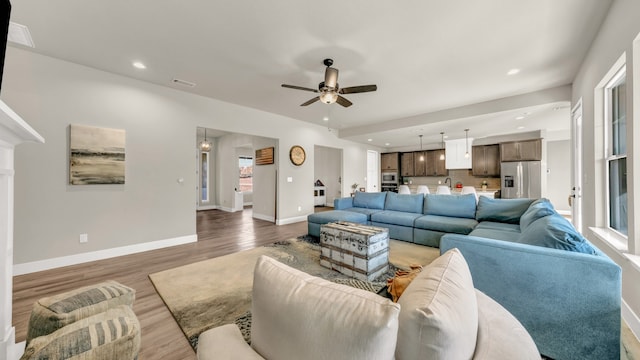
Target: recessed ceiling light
387,144
513,71
520,127
326,118
446,136
139,65
369,140
519,117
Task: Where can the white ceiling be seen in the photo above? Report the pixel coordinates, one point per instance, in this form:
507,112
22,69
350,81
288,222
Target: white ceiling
425,56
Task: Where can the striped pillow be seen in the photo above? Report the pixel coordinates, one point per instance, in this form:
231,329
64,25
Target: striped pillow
51,313
114,334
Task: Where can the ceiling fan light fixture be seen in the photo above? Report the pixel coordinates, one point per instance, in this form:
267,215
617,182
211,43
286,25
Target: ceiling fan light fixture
329,97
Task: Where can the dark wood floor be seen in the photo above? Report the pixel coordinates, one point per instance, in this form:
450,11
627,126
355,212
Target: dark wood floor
219,233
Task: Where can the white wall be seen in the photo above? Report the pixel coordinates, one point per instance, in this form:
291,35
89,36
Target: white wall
559,174
615,37
160,124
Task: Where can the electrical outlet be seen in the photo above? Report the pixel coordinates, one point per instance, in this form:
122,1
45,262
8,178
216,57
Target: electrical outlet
84,238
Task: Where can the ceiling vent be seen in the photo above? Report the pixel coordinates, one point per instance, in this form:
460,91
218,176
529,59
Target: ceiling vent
183,83
20,34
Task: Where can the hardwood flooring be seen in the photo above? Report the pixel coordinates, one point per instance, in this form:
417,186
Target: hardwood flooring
219,233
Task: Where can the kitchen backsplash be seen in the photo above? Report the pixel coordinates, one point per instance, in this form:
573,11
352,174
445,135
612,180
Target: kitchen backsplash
464,176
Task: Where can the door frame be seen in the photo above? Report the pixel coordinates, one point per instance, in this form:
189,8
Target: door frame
576,141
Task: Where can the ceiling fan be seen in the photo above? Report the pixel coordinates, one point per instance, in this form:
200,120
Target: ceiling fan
329,90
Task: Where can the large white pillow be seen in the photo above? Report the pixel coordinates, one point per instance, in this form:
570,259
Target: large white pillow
439,316
299,316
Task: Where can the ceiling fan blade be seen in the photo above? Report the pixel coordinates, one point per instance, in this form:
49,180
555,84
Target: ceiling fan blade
299,88
310,101
344,102
358,89
331,77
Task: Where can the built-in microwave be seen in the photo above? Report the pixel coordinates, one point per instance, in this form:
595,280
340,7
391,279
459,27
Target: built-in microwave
389,178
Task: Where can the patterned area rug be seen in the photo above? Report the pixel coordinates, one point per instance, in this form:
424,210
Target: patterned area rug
215,292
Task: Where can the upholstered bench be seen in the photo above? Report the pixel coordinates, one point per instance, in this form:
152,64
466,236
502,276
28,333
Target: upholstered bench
315,220
52,313
112,334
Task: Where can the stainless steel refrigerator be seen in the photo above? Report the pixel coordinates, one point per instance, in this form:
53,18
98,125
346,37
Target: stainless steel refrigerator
520,179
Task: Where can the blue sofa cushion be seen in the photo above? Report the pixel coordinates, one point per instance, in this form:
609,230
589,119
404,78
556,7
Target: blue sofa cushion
496,234
556,232
460,206
395,217
367,200
410,203
501,210
446,224
367,212
490,225
336,215
538,209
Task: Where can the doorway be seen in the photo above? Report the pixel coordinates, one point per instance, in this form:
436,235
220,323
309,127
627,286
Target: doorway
575,198
373,171
327,170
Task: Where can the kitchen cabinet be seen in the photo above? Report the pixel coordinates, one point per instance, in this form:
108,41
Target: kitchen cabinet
389,161
485,160
526,150
455,151
406,164
419,166
435,166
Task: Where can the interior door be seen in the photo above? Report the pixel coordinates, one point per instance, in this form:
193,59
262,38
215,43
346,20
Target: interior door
373,171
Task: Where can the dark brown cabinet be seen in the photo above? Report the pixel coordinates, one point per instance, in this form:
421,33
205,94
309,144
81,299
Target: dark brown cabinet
406,164
435,166
419,166
526,150
389,161
485,160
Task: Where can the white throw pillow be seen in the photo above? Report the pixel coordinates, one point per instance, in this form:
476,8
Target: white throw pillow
439,316
299,316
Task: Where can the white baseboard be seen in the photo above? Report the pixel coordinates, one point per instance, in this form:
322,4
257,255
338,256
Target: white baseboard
208,207
631,319
41,265
264,217
292,220
18,350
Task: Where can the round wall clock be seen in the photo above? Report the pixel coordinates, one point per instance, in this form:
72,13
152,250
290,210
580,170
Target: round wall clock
297,155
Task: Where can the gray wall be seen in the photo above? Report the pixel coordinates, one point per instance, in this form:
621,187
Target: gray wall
559,173
160,125
615,37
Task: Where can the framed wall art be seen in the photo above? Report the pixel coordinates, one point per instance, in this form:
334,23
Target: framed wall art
96,155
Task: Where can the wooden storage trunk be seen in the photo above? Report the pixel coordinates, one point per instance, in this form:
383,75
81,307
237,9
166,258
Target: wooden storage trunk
356,250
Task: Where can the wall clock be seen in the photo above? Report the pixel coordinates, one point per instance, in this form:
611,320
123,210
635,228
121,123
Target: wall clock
297,155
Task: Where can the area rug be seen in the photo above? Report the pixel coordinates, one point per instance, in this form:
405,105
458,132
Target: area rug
217,291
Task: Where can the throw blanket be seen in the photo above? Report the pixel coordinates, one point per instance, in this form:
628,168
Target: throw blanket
402,279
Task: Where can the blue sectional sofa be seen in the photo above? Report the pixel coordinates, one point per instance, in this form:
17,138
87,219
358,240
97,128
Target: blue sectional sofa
521,252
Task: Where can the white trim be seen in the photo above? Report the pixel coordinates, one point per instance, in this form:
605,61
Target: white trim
41,265
610,237
18,350
291,220
208,207
228,209
631,319
269,218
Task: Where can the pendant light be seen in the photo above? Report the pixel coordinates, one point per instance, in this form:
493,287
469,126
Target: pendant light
442,144
466,137
204,144
421,153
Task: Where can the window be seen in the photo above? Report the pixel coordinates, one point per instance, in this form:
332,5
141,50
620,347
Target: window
616,151
204,176
246,173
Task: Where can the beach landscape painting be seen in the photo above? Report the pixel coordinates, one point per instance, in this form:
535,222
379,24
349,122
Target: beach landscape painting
96,156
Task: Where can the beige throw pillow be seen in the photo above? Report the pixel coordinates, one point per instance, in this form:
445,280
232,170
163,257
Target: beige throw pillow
439,316
299,316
